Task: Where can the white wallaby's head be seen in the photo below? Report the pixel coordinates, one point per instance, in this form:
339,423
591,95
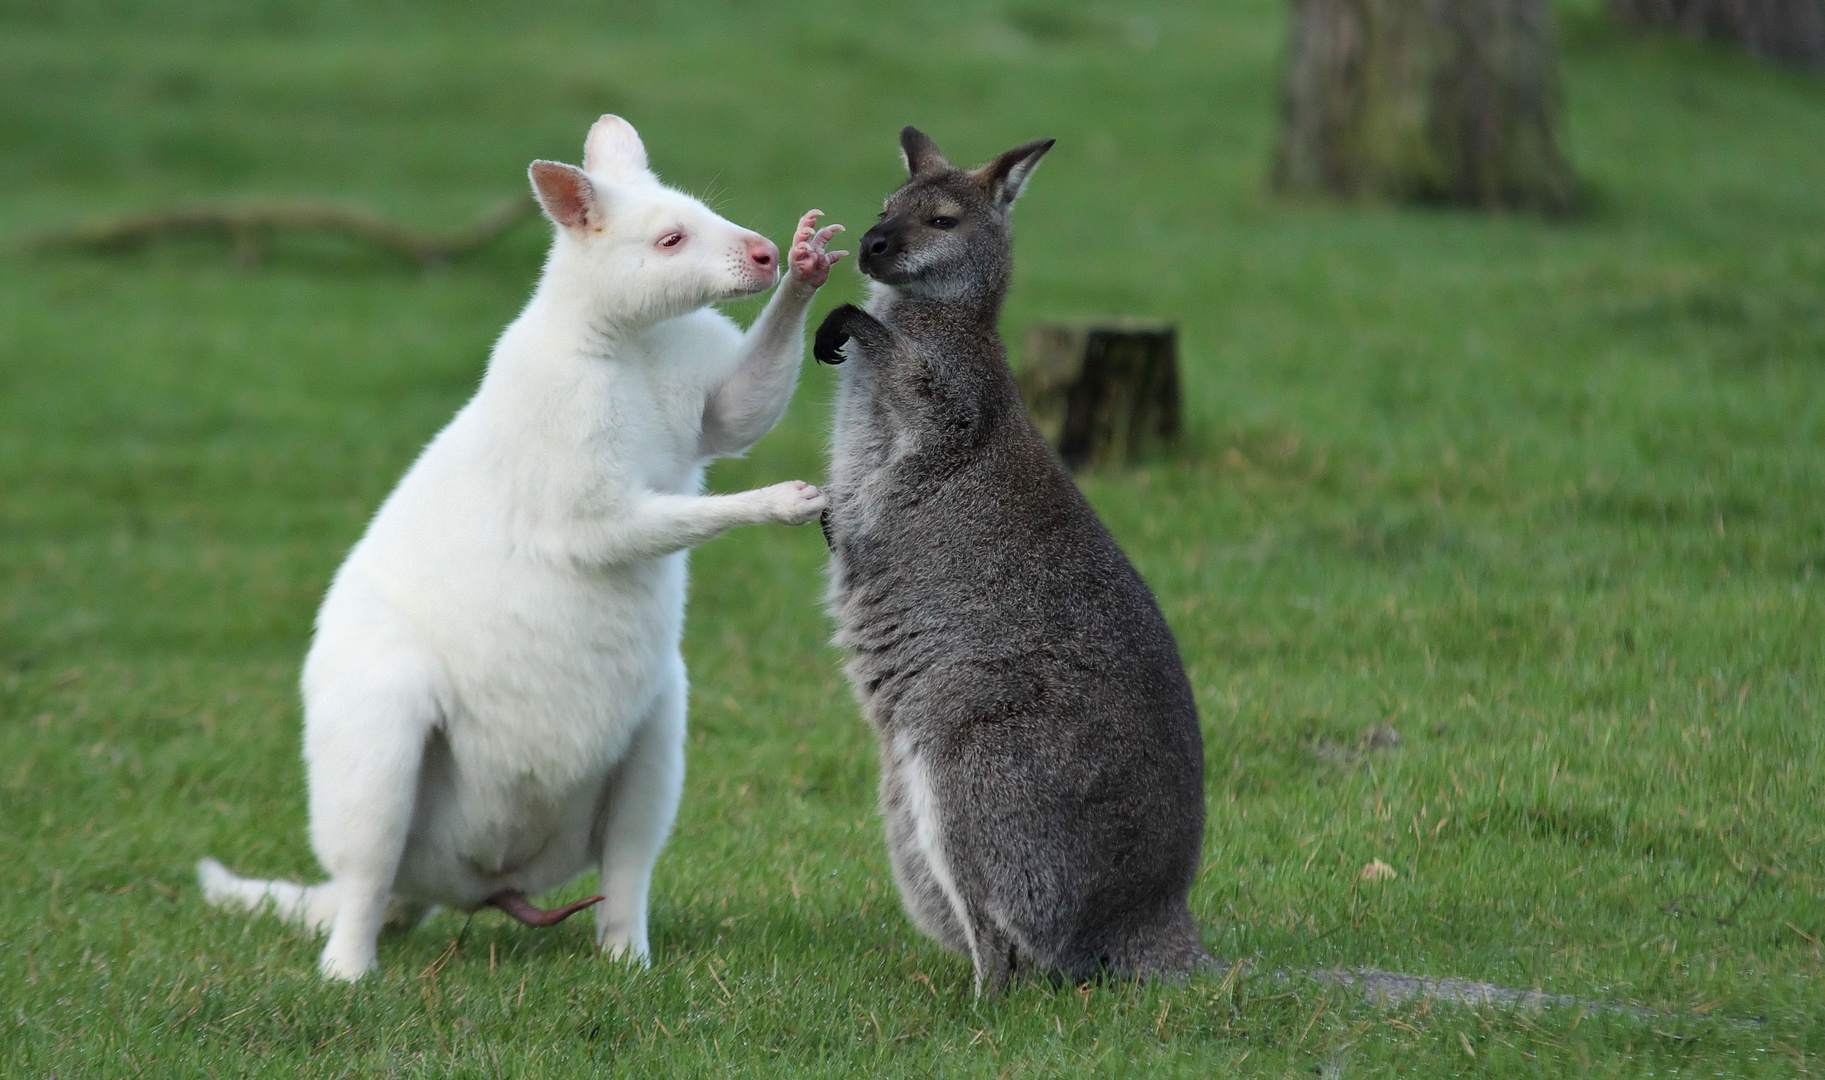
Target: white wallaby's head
635,250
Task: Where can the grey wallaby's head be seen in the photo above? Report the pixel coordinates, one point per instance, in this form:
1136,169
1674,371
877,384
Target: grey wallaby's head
945,231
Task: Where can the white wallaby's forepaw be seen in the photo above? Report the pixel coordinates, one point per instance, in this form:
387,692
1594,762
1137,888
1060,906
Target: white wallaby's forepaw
795,502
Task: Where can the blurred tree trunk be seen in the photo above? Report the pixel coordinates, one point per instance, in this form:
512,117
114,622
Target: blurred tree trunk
1442,101
1790,32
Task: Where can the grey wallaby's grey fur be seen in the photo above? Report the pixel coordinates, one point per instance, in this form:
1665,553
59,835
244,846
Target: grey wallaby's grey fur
1042,771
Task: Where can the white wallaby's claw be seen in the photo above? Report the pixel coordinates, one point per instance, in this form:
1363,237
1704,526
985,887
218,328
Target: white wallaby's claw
809,261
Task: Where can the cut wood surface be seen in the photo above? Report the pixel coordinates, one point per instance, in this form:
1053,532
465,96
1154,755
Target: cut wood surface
1102,391
250,225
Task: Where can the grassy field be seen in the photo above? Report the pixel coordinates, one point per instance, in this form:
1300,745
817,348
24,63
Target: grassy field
1545,498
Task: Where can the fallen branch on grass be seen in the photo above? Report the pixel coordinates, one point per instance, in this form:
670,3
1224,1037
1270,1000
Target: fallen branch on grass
1385,988
249,227
1390,987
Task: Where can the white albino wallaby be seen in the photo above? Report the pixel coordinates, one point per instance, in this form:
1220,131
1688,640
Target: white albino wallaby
494,701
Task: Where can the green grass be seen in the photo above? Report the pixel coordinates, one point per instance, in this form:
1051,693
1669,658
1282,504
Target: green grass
1546,498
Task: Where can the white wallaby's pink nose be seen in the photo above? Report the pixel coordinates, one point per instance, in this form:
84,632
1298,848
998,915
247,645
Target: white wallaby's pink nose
763,254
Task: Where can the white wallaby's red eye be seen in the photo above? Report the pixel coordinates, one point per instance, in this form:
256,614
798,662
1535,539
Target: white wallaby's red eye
671,240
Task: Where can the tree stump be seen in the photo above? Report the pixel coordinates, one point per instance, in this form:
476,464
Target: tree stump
1790,32
1102,391
1431,101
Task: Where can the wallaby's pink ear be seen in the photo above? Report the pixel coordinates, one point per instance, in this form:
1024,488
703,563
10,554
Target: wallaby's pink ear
613,146
920,153
1007,174
567,194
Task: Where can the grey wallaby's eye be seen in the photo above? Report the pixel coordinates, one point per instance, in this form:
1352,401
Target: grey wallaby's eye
943,223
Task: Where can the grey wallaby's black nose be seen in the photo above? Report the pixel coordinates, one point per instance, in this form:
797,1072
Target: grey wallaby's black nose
879,246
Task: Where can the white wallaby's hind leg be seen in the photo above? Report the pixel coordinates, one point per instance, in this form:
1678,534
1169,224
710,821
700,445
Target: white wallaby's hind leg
636,818
312,907
364,738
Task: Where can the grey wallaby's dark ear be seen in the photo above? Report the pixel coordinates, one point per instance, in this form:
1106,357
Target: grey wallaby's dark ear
1007,174
920,153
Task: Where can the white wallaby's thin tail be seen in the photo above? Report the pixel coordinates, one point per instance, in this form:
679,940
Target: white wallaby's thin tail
312,907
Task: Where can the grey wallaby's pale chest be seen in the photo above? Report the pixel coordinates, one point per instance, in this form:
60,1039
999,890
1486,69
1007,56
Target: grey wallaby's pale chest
1042,766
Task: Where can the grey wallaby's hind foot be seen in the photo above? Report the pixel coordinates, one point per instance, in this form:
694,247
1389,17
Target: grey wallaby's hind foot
514,903
1042,770
1173,953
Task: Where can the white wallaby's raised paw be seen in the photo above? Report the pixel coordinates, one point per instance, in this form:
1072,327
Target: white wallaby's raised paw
808,260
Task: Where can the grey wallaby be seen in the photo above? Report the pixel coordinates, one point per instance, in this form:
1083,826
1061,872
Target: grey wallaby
1042,770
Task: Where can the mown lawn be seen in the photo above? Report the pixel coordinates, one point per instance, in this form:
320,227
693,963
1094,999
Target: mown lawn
1545,498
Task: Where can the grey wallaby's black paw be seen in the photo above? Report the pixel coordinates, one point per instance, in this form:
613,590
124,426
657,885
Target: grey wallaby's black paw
832,333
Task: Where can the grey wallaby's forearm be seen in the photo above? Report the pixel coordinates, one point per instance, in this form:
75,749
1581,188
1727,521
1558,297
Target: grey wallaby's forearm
895,370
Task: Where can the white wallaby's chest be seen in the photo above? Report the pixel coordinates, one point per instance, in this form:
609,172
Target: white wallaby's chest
548,660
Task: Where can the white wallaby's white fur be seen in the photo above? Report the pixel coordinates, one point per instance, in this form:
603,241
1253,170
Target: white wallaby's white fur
495,697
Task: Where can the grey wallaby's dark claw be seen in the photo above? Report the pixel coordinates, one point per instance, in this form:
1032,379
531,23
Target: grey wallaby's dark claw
832,334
